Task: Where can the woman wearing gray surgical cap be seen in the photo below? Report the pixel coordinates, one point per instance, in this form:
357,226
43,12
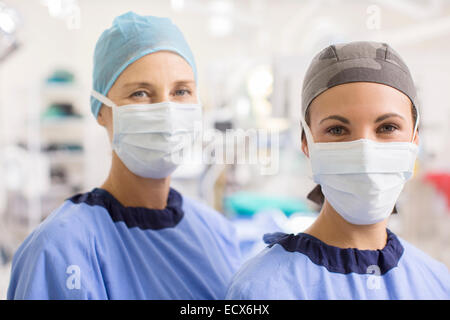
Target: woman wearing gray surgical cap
135,237
360,118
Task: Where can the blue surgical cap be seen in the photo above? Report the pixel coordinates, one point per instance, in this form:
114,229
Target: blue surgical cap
131,37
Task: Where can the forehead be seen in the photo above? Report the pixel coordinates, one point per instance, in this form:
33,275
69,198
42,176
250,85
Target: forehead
161,65
360,98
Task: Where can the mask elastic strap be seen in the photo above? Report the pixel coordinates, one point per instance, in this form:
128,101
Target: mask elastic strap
103,99
416,125
308,134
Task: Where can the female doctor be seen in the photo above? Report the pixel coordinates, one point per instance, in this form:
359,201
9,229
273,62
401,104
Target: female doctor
135,237
360,120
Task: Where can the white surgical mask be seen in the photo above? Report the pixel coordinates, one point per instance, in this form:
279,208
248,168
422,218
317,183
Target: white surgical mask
361,179
149,138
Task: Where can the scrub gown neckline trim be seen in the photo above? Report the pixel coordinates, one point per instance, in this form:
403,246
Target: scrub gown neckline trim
340,260
140,217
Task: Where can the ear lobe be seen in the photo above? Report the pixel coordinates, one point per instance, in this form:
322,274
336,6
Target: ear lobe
416,138
101,118
305,147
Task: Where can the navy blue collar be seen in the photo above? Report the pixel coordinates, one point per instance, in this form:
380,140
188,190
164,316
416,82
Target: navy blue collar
140,217
340,260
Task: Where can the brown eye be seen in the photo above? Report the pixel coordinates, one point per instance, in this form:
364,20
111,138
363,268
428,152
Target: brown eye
387,128
336,131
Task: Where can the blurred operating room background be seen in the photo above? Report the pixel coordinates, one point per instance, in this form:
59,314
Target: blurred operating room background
251,57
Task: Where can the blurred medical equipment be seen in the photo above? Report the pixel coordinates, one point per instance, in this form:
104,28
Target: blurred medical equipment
46,164
248,203
60,135
441,182
255,214
10,165
268,193
67,10
25,178
9,23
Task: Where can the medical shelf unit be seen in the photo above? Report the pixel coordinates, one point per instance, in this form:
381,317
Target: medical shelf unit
62,140
55,138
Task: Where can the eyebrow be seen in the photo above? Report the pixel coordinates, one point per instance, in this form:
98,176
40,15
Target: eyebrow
335,117
149,85
346,121
137,84
388,115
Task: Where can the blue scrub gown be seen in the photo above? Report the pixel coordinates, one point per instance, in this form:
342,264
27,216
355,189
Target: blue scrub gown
303,267
92,247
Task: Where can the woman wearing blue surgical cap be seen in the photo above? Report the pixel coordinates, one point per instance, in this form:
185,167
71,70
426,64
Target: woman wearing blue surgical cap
135,237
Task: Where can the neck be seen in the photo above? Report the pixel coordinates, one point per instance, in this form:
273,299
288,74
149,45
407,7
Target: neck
134,191
334,230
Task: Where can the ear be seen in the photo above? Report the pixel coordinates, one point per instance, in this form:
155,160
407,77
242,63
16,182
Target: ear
101,118
416,138
104,118
305,145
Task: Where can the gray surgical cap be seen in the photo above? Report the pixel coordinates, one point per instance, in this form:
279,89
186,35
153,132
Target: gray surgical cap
361,61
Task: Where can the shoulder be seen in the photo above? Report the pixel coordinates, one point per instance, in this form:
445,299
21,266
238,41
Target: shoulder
271,260
62,244
77,217
215,229
69,226
199,207
212,222
206,214
432,276
420,259
267,275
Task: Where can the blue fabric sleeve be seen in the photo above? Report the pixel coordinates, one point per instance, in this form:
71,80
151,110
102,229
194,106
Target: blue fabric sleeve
258,279
221,228
230,239
56,262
